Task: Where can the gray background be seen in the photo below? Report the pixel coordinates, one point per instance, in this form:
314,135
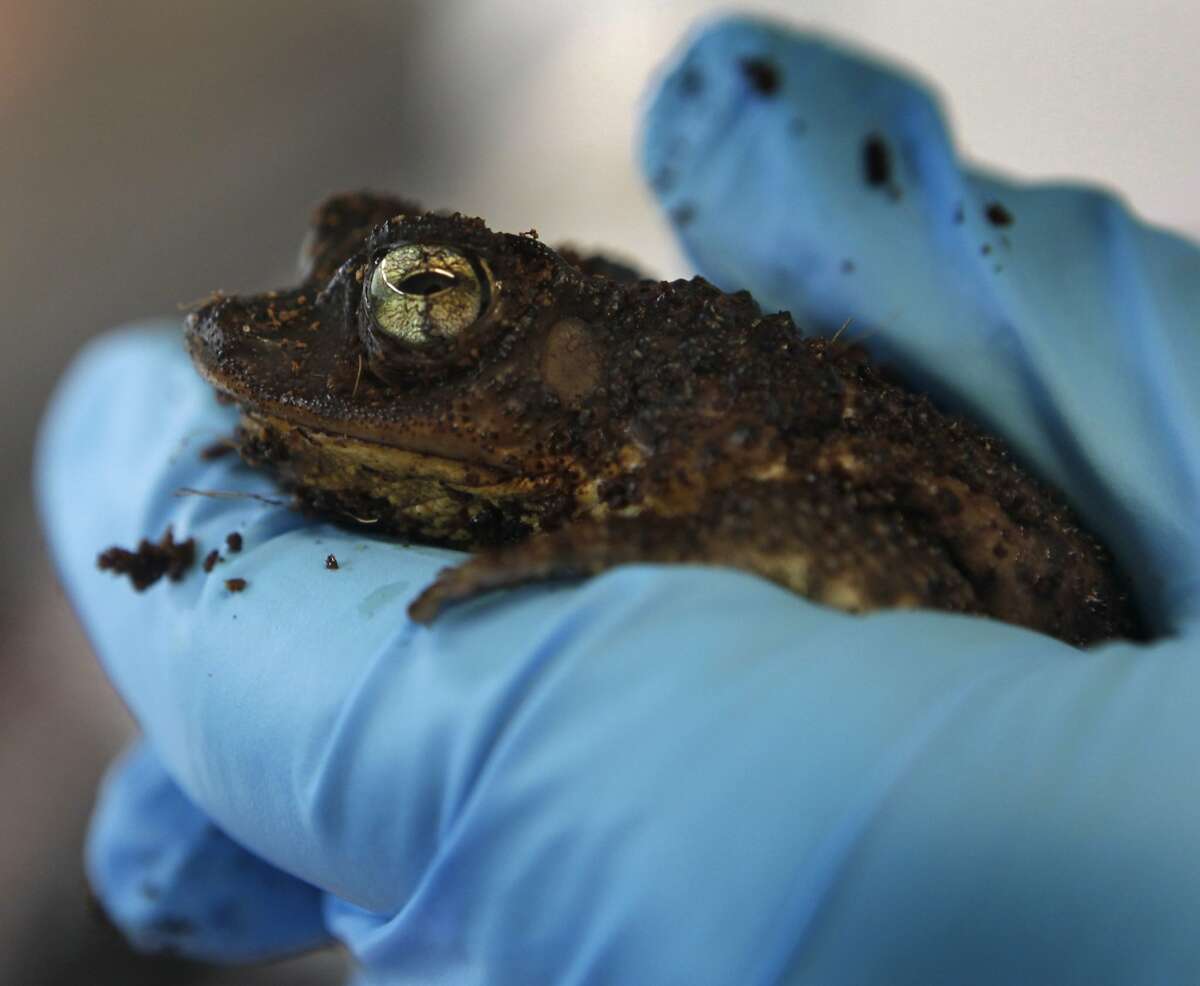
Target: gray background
153,152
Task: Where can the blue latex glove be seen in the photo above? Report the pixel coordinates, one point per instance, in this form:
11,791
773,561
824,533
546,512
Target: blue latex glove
687,775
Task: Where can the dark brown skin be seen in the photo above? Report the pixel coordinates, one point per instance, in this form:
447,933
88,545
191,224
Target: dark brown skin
573,418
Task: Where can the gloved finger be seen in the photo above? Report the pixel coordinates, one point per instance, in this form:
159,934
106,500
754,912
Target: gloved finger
649,789
173,882
826,184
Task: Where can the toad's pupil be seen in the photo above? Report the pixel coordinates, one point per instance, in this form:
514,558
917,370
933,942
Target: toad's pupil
426,282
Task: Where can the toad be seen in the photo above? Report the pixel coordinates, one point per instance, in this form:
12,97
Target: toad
559,414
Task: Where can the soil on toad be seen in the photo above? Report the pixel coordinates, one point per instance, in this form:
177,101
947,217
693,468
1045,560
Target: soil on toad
792,457
926,491
150,561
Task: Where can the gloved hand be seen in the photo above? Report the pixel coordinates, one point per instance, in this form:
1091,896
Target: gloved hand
688,775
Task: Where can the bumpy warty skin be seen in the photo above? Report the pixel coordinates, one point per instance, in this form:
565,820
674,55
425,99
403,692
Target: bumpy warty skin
588,418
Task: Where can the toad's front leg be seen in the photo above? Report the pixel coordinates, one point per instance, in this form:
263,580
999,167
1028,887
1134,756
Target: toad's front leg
805,538
580,549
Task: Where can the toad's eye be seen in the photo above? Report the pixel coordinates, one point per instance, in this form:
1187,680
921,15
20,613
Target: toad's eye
425,294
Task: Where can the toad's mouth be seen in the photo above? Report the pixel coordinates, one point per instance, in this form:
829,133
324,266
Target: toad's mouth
390,428
316,457
304,440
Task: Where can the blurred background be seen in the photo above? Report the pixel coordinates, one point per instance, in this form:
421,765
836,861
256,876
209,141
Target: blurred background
150,153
